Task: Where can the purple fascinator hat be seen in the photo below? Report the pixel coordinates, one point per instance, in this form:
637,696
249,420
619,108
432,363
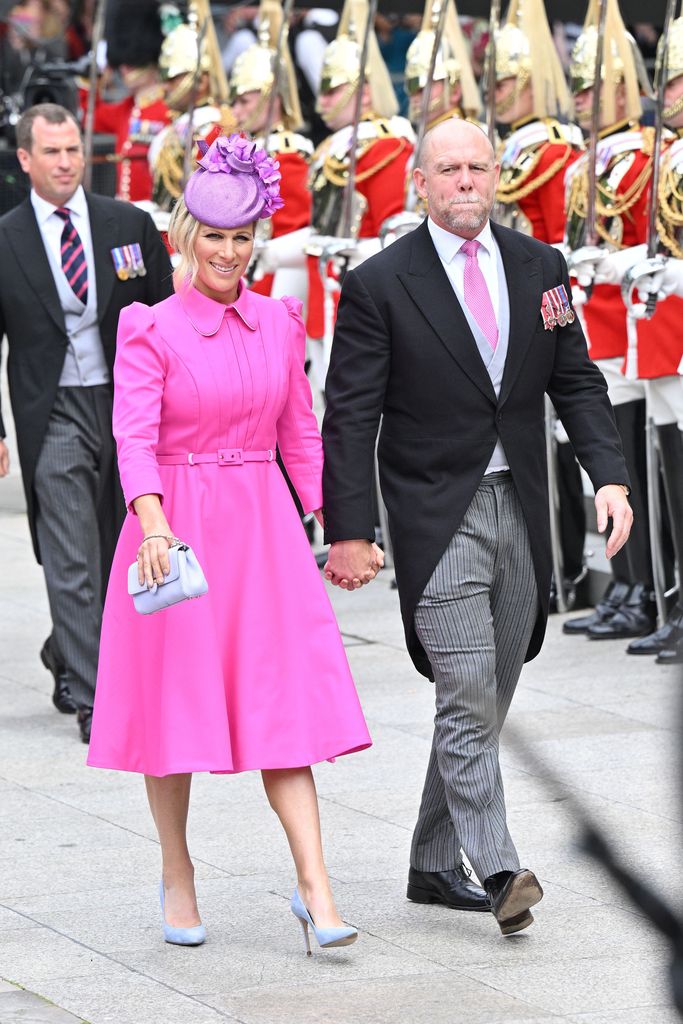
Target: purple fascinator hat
235,184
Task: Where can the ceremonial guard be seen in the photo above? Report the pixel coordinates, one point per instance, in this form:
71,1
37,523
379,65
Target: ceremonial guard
533,108
133,46
622,172
656,356
454,91
265,102
383,144
197,94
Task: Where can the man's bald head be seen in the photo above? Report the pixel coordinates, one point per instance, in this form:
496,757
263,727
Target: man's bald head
455,131
457,175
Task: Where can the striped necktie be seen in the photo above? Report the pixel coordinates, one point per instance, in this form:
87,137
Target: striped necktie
73,257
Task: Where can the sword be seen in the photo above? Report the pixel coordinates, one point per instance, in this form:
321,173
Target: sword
590,232
97,34
347,208
277,68
494,26
654,262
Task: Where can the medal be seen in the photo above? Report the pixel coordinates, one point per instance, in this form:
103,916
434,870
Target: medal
138,261
120,266
130,263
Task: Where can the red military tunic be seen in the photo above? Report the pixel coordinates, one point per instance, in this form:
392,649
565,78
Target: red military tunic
534,160
292,151
385,146
623,170
660,340
134,121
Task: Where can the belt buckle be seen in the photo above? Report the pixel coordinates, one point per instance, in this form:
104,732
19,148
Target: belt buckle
230,457
271,455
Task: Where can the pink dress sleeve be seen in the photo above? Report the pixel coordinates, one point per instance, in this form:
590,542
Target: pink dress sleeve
298,436
139,374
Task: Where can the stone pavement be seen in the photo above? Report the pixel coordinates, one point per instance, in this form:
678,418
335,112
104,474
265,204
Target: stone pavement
79,863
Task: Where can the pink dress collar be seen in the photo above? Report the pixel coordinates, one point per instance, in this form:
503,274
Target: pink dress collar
206,315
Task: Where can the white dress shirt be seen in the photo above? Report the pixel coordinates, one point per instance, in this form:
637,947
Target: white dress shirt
84,363
448,247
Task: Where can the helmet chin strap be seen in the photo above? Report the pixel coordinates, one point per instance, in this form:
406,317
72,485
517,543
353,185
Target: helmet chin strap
521,82
674,110
256,116
343,100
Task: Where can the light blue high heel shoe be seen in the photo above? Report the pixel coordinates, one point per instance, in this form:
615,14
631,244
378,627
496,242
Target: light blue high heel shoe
326,937
180,936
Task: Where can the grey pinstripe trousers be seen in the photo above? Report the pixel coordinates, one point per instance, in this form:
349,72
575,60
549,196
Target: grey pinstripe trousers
475,620
79,511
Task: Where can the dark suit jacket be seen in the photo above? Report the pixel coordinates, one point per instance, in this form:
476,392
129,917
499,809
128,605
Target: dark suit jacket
403,351
31,313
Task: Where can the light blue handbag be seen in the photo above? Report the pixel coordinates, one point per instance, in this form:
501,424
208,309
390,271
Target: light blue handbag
185,580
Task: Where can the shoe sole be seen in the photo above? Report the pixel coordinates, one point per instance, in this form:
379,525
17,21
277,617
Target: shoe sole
622,636
425,896
513,914
348,941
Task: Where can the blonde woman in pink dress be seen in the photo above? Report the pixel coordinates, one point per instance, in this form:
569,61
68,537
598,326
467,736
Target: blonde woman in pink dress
253,675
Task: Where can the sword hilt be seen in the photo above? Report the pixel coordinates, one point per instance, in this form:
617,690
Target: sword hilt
630,285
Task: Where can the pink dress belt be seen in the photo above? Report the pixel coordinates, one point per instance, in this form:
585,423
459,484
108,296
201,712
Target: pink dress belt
224,457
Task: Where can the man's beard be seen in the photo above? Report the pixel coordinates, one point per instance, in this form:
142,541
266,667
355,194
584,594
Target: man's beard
459,220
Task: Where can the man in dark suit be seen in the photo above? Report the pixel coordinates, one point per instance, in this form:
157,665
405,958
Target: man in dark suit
443,336
71,262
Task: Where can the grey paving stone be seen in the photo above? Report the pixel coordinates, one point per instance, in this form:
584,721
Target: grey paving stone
413,998
17,1005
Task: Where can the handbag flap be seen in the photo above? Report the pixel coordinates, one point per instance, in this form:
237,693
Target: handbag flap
134,587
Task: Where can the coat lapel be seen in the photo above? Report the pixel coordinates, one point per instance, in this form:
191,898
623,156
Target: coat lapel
27,244
523,274
428,286
103,230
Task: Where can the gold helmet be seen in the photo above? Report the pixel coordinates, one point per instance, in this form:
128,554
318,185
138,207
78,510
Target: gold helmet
452,60
622,63
342,57
526,52
674,65
191,47
253,69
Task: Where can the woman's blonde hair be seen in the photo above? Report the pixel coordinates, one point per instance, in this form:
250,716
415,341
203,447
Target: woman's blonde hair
182,235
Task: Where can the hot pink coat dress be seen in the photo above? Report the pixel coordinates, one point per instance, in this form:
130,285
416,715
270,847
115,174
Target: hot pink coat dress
253,674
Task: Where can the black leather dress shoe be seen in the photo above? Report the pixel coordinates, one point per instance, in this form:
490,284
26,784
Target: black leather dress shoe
61,695
512,894
452,889
603,612
667,636
85,723
636,616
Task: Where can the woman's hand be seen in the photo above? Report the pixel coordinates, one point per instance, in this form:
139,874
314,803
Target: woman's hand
153,561
157,536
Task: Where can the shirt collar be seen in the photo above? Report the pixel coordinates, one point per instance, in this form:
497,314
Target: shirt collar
77,204
447,243
206,315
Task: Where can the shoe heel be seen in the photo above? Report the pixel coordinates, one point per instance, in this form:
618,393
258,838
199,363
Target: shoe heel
307,939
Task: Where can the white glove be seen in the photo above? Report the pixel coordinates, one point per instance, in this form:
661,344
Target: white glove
663,283
582,263
613,265
284,251
362,250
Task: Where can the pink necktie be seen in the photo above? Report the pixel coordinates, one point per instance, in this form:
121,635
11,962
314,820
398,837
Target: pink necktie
477,295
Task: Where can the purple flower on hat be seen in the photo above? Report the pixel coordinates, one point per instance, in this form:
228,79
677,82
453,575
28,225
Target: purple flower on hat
237,155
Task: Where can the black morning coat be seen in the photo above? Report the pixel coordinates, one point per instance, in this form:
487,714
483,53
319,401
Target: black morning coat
31,314
403,351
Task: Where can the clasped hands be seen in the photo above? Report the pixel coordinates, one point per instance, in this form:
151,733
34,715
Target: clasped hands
351,563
